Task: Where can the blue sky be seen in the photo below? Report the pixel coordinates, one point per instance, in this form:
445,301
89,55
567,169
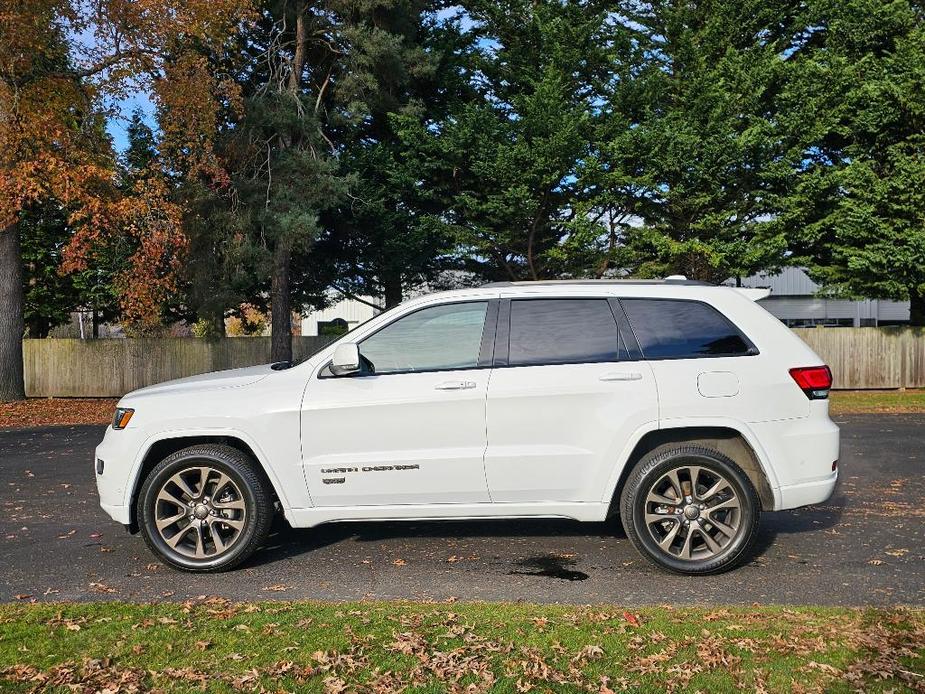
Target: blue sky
116,126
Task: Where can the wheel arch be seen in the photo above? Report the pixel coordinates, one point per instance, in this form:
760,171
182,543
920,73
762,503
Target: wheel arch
728,440
160,447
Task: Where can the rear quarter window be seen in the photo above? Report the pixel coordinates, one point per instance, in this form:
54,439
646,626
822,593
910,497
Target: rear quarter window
684,329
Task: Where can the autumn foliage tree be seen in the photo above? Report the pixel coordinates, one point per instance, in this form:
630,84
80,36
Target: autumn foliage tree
61,62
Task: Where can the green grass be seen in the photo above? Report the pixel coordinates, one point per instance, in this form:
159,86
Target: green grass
877,401
213,645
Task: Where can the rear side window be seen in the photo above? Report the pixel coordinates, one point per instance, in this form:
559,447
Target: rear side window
562,331
675,329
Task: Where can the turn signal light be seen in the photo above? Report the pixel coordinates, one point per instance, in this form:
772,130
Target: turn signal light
122,417
815,381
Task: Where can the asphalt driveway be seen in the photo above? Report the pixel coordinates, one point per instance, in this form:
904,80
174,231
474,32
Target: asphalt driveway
866,546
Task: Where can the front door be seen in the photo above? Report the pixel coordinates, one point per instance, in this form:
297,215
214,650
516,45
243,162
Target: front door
409,429
564,400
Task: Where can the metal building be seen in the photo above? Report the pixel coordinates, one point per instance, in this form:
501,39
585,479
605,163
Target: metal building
794,299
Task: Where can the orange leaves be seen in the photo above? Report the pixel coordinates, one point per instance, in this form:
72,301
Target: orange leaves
59,61
154,223
52,411
191,96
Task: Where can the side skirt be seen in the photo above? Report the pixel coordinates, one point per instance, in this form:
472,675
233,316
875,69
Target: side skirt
310,517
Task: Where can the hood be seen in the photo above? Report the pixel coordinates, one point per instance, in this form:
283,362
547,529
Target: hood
215,380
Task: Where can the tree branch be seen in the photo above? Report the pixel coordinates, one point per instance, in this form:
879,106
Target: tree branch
351,295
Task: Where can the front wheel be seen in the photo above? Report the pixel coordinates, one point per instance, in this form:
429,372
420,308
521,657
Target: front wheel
690,510
205,508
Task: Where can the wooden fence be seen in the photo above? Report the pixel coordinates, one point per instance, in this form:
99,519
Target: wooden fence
113,367
891,357
859,357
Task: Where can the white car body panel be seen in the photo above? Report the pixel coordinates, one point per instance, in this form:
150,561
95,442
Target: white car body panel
410,438
553,430
520,442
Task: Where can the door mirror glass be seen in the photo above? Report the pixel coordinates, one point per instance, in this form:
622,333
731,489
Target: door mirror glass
346,359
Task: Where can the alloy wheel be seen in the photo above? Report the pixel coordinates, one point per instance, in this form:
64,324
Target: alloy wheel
200,512
693,513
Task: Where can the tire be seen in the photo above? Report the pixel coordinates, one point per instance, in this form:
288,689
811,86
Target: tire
212,534
680,538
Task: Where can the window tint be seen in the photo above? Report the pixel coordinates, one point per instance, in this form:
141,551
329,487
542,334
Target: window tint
562,331
669,329
436,338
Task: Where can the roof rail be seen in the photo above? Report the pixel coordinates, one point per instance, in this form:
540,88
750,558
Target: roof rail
673,279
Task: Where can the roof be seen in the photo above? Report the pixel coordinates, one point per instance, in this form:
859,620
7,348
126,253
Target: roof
541,283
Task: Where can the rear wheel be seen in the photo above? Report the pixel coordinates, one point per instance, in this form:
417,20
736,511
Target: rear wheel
691,510
205,508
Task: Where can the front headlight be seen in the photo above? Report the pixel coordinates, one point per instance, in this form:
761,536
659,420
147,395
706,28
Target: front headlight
122,417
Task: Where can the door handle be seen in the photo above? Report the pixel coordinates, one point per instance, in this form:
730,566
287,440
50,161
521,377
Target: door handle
622,376
455,385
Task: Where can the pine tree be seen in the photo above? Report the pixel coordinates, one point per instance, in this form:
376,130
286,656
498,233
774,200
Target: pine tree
857,99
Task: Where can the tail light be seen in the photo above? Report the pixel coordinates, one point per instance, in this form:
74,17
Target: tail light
815,381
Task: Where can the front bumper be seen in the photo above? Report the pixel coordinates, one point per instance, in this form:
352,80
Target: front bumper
120,514
117,450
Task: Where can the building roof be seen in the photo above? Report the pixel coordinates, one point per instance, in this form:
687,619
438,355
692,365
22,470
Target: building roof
790,281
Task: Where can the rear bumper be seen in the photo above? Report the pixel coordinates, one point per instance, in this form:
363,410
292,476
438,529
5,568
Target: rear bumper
807,493
800,453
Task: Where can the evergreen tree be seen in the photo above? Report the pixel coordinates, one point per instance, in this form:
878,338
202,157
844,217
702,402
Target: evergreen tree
49,296
383,238
857,99
503,163
690,161
141,149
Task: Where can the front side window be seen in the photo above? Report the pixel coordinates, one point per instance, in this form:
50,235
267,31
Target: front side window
678,329
562,331
432,339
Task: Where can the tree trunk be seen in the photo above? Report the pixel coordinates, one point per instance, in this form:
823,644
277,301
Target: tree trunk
218,324
280,310
95,318
298,59
391,284
916,307
12,386
280,300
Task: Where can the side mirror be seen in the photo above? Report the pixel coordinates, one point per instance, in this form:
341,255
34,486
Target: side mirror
346,359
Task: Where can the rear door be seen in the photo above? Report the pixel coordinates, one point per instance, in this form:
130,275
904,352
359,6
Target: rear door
564,398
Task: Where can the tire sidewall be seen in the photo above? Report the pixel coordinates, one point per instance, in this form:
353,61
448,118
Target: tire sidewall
146,501
651,470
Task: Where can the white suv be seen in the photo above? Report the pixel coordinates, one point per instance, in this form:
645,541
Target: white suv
684,408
